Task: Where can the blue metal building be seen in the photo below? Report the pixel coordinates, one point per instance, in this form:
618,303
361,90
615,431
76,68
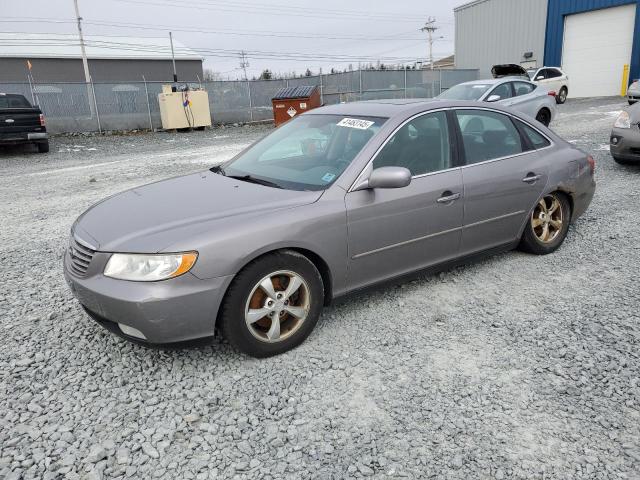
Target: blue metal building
596,42
557,12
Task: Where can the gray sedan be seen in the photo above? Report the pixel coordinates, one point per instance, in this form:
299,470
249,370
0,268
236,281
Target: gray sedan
633,93
336,200
625,136
522,95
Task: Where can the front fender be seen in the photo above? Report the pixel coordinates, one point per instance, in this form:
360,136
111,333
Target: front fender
230,245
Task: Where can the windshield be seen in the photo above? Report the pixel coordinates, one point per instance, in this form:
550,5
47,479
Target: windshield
309,152
468,91
13,101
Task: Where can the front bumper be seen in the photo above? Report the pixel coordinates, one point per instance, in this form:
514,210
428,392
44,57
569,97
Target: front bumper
633,95
180,309
625,143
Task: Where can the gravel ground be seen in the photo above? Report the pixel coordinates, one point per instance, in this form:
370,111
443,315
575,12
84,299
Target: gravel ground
515,367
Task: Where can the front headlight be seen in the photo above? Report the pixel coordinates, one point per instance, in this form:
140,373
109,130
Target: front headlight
623,121
149,268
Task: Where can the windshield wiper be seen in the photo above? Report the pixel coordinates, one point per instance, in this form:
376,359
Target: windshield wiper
218,169
250,179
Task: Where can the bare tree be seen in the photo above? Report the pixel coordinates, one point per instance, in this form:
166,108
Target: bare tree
211,75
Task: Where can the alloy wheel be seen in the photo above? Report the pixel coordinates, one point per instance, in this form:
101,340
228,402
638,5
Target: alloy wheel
277,306
547,219
563,95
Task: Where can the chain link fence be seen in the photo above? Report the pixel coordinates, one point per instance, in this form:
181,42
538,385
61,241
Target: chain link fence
78,107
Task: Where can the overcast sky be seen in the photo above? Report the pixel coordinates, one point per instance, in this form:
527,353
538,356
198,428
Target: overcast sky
342,31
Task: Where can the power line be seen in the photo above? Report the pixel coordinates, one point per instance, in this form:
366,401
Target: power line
287,8
223,31
250,9
222,54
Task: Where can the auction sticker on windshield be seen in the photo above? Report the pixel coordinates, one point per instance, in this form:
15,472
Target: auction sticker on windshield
355,123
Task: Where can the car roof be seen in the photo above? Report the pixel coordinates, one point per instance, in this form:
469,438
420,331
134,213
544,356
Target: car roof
393,108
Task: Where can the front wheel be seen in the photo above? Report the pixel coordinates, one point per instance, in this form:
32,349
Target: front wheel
548,225
544,117
273,304
562,96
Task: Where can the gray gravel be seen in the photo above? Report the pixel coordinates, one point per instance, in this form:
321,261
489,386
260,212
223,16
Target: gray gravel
515,367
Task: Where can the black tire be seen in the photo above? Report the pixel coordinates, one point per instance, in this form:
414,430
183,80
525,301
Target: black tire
620,161
562,96
531,243
632,102
232,314
43,147
544,117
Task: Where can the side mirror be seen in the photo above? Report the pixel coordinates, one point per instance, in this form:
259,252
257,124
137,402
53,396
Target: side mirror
540,77
386,177
494,98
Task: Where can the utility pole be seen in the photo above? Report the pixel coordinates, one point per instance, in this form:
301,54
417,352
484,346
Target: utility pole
430,28
244,64
173,59
85,63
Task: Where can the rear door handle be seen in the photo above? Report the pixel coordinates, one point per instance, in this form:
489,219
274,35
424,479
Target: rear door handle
448,197
531,178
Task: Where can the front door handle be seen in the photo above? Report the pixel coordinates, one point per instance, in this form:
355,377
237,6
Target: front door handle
448,197
531,178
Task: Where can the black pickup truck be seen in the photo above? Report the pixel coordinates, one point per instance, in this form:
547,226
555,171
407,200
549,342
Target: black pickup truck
21,123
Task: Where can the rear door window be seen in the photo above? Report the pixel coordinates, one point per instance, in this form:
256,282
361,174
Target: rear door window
553,73
487,135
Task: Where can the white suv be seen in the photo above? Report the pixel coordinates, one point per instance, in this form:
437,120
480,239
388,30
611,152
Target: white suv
552,78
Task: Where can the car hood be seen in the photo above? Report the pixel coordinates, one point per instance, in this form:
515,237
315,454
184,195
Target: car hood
508,70
152,217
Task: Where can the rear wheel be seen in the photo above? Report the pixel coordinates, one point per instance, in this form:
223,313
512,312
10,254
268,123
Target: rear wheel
544,117
562,95
548,225
43,147
273,304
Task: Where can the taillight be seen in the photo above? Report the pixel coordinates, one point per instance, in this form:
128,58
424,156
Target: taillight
592,164
552,93
41,120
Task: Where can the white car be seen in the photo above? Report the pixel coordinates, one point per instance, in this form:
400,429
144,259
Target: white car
508,91
553,79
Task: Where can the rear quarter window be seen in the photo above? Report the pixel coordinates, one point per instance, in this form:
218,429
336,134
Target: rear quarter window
536,138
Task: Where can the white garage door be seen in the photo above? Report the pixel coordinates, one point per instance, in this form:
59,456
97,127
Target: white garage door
596,47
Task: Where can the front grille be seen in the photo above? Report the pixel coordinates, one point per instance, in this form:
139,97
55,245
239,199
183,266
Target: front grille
81,256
